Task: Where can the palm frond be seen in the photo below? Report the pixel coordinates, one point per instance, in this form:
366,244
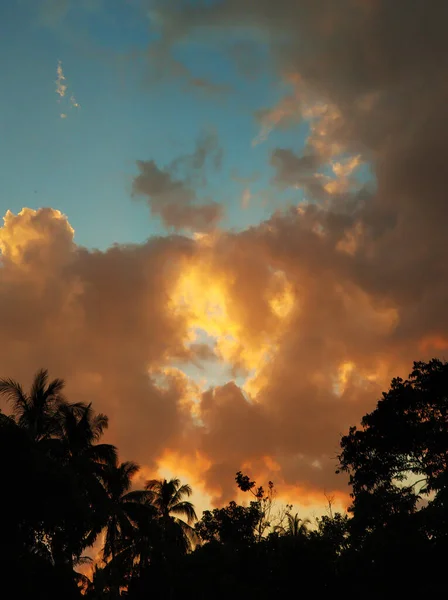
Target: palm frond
189,534
55,387
138,497
168,495
69,419
186,509
153,485
38,387
99,424
77,408
173,483
296,525
13,392
7,422
104,453
117,479
180,493
129,468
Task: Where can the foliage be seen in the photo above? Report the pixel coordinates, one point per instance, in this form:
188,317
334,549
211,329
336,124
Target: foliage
167,497
65,490
233,524
264,501
399,455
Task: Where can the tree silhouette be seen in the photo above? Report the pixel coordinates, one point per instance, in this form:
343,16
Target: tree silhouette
87,461
295,526
233,524
397,466
168,498
63,487
400,453
37,411
44,526
126,510
264,501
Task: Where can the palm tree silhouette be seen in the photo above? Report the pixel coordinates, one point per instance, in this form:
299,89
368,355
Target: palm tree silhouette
133,536
37,411
124,507
63,439
80,431
295,526
168,498
77,448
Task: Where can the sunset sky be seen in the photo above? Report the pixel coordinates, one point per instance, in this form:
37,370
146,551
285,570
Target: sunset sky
224,222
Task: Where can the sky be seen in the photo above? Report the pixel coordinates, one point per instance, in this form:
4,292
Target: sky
224,222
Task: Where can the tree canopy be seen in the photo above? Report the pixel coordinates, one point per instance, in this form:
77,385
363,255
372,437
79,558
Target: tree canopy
65,490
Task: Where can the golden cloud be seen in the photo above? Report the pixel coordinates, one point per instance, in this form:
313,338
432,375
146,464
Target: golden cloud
313,347
309,314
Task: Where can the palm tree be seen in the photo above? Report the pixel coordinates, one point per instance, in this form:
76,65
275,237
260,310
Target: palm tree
295,526
133,536
80,431
101,585
37,411
65,461
168,498
122,510
137,547
36,417
87,461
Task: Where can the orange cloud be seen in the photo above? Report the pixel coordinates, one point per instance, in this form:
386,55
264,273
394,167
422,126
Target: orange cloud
434,343
306,340
205,297
310,313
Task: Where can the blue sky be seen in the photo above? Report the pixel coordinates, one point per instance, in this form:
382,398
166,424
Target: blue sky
84,164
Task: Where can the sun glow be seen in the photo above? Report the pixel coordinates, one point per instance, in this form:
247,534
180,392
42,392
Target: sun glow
205,299
343,377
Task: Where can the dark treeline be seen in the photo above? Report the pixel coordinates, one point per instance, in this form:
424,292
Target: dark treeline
64,490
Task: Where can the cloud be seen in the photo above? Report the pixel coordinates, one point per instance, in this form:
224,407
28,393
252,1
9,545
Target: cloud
107,316
287,112
61,87
306,172
296,329
171,191
369,72
61,91
312,312
291,169
280,304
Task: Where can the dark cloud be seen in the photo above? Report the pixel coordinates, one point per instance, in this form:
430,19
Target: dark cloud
298,171
172,191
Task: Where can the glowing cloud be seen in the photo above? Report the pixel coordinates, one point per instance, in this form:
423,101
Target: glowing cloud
310,313
204,297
